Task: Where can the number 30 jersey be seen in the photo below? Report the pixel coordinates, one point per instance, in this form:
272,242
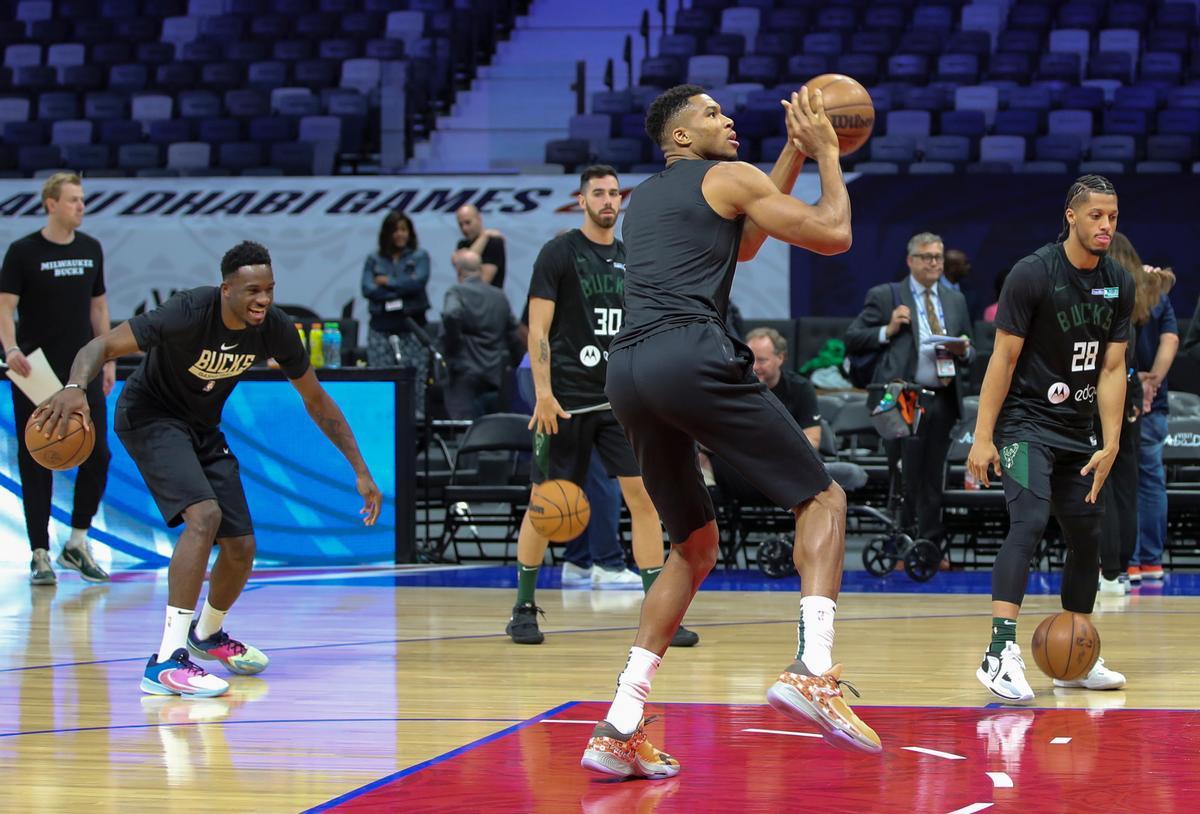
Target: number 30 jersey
586,281
1067,317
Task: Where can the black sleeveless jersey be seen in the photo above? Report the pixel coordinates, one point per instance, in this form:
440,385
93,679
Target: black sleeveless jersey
1067,317
680,254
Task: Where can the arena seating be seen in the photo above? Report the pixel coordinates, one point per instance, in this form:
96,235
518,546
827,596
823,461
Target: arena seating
220,87
992,85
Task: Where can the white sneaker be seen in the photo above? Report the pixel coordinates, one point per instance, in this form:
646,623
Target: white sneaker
1100,678
1004,674
574,576
604,578
1115,587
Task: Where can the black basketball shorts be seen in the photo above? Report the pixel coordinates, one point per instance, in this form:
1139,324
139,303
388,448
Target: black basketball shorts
695,384
183,466
1050,473
566,454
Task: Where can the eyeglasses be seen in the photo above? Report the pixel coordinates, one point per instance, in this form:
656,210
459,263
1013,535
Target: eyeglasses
928,257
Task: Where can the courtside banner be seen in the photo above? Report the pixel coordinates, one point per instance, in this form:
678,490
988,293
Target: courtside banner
163,234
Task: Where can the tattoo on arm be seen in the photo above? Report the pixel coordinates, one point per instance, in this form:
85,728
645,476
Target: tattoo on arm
543,351
329,418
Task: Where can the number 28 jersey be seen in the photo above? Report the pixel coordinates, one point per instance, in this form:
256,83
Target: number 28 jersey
1067,317
586,281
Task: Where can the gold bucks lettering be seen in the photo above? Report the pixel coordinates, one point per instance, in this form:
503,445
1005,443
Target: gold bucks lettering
217,365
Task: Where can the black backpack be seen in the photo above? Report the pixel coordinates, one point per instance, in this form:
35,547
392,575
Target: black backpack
860,367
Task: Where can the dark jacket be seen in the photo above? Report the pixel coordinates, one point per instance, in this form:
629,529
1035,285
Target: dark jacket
898,358
479,333
404,293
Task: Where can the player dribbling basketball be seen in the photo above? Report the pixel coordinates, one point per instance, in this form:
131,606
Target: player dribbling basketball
197,345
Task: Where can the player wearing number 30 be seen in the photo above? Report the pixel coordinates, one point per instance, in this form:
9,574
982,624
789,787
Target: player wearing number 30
1061,331
576,296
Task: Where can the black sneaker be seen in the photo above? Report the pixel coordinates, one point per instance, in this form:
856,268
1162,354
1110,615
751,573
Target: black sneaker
79,558
41,572
685,638
523,626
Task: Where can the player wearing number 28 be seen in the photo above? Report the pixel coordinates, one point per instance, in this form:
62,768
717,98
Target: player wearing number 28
1061,331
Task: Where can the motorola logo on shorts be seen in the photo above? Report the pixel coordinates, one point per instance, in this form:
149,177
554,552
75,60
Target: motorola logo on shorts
590,356
1058,393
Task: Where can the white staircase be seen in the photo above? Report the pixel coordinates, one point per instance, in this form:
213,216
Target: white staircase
524,98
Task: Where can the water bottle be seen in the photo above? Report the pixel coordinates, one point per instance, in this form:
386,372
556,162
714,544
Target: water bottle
303,338
333,345
316,346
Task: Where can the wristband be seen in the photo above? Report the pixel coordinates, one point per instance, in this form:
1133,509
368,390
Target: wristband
10,350
69,385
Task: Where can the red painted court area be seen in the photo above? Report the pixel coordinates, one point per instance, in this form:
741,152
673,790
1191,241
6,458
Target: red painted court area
749,758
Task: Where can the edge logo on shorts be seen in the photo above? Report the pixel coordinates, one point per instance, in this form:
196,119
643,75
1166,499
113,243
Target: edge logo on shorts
1086,394
589,356
1058,393
216,365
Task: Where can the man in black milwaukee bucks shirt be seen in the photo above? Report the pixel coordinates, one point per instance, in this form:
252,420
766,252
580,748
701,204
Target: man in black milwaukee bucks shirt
575,307
1061,332
197,345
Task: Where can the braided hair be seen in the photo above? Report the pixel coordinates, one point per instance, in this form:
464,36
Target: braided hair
1083,187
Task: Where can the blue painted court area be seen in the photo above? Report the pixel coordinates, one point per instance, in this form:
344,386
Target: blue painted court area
1183,583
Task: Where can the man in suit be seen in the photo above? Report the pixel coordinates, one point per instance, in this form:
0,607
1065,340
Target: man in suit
902,336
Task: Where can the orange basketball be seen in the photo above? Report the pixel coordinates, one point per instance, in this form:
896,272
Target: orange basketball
848,106
67,452
559,510
1066,645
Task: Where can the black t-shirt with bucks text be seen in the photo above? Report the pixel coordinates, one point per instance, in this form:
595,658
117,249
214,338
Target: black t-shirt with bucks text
1067,317
193,361
586,281
493,252
55,284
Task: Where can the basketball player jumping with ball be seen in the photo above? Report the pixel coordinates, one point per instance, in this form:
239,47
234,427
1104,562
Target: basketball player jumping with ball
197,345
677,376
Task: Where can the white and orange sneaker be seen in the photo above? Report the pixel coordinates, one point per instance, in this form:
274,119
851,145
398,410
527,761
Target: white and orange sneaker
614,753
801,695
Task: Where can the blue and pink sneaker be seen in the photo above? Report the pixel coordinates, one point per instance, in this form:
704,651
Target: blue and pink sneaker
179,676
239,658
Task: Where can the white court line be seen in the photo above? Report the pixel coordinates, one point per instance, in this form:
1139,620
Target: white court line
972,808
1000,780
783,732
565,721
1061,740
934,752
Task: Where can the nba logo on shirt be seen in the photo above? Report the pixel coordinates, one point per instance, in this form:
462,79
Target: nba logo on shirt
1058,393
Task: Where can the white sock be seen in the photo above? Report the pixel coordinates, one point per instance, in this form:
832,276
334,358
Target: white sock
210,621
633,685
817,613
175,631
78,538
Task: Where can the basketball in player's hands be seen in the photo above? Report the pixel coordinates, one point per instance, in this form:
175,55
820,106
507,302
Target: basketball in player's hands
67,452
849,108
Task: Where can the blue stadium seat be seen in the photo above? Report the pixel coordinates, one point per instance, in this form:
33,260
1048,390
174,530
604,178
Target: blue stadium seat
969,123
949,148
1171,148
202,51
32,159
877,167
698,22
136,29
168,131
682,46
837,18
155,53
931,168
662,72
931,98
1043,168
34,78
247,51
863,67
1030,17
271,27
139,156
1176,16
761,69
803,67
1181,121
1111,65
87,157
795,20
901,149
294,158
1079,15
1012,66
962,69
908,123
1063,147
933,17
1062,67
198,104
731,46
1127,15
104,105
128,77
588,127
1161,66
71,131
1158,167
775,43
886,18
317,24
1113,148
978,43
1002,150
57,105
630,125
1082,98
340,49
1017,122
1020,42
924,42
246,103
240,155
1187,96
176,76
1137,97
1126,122
225,27
317,73
219,131
363,25
1031,98
612,102
876,43
117,9
267,74
1077,122
383,49
120,131
26,134
111,53
292,50
757,124
620,153
912,68
221,76
570,153
271,129
823,43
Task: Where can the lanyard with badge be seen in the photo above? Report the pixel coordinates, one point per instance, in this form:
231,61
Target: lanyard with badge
943,359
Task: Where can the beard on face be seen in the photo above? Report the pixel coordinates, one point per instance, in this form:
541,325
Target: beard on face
601,218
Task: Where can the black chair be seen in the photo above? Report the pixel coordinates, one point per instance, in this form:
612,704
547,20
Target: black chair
975,519
488,484
1181,457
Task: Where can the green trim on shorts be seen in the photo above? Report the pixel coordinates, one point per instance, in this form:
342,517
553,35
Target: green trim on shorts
541,453
1014,460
